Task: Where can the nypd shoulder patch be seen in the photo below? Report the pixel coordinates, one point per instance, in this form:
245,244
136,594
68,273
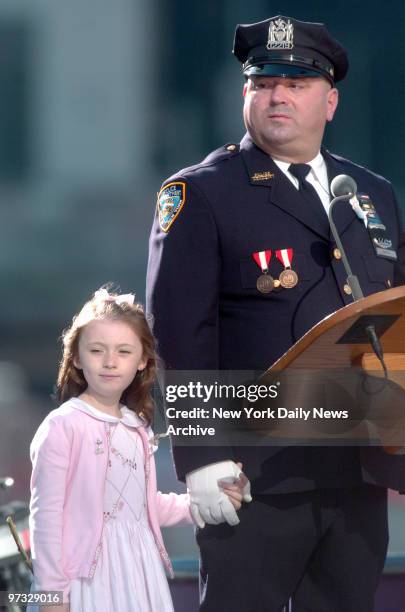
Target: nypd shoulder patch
170,201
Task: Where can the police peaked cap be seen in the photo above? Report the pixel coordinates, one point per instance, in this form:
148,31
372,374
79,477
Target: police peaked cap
283,46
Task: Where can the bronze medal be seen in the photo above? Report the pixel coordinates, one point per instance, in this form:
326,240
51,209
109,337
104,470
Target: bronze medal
265,283
288,278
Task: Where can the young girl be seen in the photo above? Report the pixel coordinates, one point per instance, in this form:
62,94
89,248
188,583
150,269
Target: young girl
95,510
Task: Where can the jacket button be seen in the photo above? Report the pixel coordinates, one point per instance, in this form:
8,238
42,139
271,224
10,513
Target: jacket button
231,147
337,254
347,289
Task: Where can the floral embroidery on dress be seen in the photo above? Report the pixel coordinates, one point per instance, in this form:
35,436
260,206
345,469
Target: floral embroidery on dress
126,452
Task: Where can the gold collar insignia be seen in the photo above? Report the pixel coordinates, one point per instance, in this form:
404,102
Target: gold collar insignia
262,176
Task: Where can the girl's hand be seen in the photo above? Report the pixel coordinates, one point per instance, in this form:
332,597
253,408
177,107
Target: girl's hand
63,608
234,489
234,494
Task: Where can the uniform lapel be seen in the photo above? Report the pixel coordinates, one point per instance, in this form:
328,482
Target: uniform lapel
343,214
263,172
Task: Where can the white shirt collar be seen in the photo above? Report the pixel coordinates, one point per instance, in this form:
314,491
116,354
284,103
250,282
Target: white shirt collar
317,177
318,174
128,416
319,170
317,164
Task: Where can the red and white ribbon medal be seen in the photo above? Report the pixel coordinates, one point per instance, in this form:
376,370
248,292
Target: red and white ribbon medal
265,282
288,278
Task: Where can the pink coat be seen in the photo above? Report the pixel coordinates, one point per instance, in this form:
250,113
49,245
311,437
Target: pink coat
67,491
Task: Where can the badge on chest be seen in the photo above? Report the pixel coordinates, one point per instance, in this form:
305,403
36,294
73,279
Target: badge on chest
382,243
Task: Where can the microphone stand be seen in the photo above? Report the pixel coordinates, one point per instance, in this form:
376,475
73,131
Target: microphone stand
353,282
352,279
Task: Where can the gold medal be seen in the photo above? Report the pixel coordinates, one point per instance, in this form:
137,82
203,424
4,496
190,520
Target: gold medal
265,283
288,278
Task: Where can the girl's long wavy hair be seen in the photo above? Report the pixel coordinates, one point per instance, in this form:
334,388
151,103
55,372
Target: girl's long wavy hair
71,382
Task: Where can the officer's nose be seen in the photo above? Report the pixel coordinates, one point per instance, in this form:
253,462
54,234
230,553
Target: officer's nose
278,94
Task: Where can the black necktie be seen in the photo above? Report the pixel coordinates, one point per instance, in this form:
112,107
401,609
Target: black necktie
301,171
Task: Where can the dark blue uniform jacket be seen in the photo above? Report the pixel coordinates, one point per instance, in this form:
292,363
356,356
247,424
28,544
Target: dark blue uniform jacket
208,314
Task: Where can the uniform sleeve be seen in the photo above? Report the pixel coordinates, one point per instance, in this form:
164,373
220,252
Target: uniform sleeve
183,284
50,453
173,509
399,270
182,297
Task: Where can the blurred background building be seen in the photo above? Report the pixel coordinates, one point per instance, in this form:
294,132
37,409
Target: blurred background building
99,102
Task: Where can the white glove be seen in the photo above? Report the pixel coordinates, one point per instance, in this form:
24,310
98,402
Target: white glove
208,504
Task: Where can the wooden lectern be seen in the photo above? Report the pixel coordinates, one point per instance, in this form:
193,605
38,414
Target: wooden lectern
321,347
339,342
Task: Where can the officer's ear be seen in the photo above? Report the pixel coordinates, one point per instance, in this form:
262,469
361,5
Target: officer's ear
332,102
245,89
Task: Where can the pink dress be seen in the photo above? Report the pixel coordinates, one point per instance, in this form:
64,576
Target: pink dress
129,575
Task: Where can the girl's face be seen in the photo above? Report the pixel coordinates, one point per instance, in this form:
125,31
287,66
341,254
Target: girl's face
109,354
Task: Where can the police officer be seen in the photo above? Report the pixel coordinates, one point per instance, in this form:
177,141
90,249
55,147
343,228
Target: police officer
241,265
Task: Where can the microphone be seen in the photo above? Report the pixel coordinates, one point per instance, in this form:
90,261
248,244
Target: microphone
343,185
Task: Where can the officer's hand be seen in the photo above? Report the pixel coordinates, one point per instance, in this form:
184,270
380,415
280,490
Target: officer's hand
208,503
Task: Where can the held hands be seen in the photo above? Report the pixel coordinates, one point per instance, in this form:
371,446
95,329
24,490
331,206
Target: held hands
237,489
216,492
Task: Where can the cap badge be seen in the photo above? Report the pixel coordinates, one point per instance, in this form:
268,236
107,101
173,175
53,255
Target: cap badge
281,34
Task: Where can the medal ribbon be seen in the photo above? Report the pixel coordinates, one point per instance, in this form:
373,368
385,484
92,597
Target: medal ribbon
262,258
285,256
